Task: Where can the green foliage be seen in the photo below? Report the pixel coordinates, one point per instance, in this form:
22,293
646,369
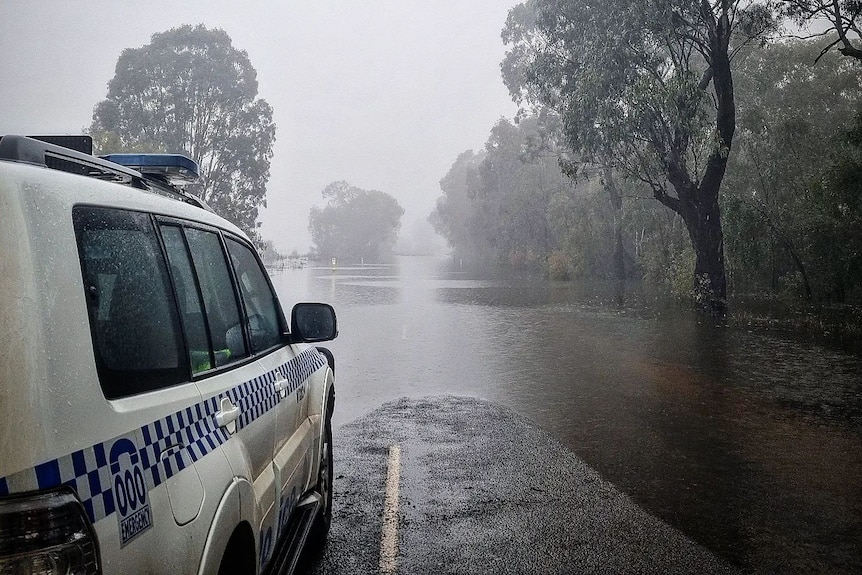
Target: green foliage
496,205
455,217
840,221
791,199
629,80
515,183
582,221
792,195
625,76
355,224
524,204
190,91
677,278
663,254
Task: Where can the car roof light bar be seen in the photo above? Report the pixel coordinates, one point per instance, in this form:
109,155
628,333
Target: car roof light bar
175,169
162,172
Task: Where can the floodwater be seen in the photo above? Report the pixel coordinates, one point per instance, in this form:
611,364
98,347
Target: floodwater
750,443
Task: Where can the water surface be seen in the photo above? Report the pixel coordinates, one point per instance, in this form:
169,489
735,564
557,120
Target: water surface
749,442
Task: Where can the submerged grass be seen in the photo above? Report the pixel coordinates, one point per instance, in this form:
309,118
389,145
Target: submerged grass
838,326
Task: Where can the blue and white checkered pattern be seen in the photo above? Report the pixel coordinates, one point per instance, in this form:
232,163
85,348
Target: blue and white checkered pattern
254,398
192,433
297,371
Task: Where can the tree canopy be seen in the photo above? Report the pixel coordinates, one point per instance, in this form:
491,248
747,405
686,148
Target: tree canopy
791,198
355,224
190,91
645,88
792,202
844,18
456,217
512,204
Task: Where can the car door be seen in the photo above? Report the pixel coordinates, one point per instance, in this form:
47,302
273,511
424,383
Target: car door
266,328
236,380
139,351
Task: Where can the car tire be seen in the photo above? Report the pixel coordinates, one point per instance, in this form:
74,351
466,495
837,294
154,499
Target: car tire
238,557
320,528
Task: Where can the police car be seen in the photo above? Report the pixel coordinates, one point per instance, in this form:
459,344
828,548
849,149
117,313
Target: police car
158,414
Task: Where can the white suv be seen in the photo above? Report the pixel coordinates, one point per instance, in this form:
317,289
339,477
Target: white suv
157,413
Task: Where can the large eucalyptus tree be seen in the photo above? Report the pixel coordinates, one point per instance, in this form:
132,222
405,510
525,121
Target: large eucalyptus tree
644,87
191,91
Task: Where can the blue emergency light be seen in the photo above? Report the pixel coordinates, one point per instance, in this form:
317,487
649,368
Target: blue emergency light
175,169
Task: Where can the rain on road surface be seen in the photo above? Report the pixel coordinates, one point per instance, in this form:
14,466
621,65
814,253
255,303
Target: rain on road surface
482,490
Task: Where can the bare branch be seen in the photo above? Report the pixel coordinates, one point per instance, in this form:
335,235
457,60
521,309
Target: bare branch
826,49
807,36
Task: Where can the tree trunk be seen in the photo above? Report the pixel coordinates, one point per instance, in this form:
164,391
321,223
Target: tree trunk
619,260
707,239
697,203
698,206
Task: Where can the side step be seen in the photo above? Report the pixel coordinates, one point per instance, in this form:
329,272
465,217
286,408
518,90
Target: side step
289,548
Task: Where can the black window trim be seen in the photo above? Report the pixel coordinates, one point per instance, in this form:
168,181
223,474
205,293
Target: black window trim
159,222
156,220
282,329
184,364
253,354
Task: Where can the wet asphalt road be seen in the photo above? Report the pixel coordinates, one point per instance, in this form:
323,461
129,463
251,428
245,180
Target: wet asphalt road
483,490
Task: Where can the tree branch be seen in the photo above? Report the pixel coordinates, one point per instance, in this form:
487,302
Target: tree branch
664,198
848,49
806,36
705,79
826,49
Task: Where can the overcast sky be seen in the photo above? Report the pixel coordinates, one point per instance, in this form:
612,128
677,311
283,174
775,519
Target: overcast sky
382,94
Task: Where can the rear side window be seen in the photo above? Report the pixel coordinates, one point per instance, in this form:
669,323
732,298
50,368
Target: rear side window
261,306
133,317
201,355
219,298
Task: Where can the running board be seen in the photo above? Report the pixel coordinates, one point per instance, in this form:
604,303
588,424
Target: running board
286,554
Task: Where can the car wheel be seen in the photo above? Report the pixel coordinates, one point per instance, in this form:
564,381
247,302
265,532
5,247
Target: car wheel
320,529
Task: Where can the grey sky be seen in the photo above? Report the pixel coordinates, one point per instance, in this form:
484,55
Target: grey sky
383,94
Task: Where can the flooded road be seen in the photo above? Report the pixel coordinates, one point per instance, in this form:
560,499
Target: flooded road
749,443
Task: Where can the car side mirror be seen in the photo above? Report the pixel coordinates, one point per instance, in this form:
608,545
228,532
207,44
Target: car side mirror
313,322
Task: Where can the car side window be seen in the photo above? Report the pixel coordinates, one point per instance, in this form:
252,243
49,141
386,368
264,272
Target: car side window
188,297
220,304
133,318
259,301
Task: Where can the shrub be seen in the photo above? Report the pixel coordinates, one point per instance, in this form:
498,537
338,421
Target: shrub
559,266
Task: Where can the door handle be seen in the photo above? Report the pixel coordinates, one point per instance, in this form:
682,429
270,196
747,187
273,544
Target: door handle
227,415
170,450
280,388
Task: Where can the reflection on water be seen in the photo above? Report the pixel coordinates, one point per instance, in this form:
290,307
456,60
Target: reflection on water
749,443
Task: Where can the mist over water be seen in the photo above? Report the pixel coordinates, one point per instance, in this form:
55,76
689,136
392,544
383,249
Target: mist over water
748,442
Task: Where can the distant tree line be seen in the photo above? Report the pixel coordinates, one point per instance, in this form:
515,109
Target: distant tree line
355,224
761,194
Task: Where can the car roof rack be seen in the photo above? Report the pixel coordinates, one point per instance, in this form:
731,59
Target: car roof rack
52,152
